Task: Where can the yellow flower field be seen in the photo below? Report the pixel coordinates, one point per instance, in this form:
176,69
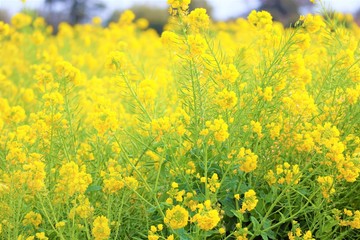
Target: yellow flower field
237,130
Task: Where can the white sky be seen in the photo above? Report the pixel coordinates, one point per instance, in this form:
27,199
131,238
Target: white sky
222,9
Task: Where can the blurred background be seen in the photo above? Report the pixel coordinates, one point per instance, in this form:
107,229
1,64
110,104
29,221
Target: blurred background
82,11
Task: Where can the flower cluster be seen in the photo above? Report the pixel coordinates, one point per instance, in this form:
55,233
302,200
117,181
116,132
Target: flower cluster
207,218
176,217
215,130
284,174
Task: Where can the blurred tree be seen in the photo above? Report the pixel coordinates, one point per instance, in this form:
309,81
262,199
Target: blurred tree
285,11
4,15
357,17
77,11
304,2
201,4
157,16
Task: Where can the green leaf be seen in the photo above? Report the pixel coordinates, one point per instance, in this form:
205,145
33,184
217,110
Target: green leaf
267,224
282,217
271,234
329,224
261,207
256,224
183,234
228,205
264,236
237,214
93,188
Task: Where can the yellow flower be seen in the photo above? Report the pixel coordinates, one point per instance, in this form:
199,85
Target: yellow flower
222,230
179,3
257,128
152,236
116,60
32,218
213,183
247,160
226,99
268,94
326,185
355,223
67,71
308,236
207,219
96,20
21,20
176,217
198,19
302,40
35,176
126,17
228,74
313,23
250,201
178,6
160,227
101,229
142,23
41,236
197,45
352,95
170,39
219,128
72,180
60,224
83,208
153,229
270,177
28,95
4,29
131,183
260,19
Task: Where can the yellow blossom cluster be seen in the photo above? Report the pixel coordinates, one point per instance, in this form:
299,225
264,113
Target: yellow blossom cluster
352,219
32,218
208,130
284,174
326,184
250,201
176,217
101,229
207,218
178,6
198,19
226,100
247,160
72,179
219,128
297,233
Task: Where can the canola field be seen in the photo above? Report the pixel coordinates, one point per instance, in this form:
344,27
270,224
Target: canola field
211,130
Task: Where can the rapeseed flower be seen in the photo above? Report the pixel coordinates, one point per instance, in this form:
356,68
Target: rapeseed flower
176,217
250,201
101,230
32,218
